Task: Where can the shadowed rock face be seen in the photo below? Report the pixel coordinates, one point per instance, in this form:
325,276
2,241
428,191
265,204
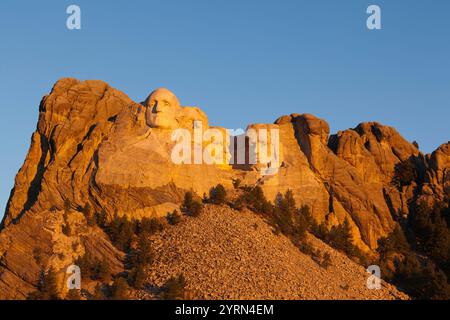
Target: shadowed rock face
94,145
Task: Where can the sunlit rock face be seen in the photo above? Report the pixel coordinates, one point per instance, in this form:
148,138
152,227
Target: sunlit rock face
93,144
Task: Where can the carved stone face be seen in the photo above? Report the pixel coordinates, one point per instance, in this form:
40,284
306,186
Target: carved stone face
162,109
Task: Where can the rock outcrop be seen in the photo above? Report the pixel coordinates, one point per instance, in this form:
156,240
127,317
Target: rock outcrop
94,145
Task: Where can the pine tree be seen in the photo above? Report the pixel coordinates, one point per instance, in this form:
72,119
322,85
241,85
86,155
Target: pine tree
100,218
121,232
137,277
124,237
120,289
50,286
405,173
73,294
394,243
340,237
190,206
47,287
347,236
93,268
195,209
256,200
102,270
218,194
321,231
188,199
84,263
284,211
174,217
326,261
98,293
150,225
438,243
289,201
304,222
174,288
143,254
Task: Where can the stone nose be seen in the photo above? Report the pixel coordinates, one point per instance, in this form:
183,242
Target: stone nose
156,107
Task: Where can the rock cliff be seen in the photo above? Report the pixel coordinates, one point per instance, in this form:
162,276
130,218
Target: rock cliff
94,145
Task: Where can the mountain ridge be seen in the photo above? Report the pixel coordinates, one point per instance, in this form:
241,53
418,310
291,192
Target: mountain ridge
94,145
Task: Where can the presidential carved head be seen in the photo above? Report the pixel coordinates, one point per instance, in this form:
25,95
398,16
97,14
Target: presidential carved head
164,111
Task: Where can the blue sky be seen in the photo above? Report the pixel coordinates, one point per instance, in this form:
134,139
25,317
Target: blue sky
241,61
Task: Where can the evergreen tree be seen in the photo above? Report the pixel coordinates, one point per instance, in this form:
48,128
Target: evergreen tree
305,213
73,294
321,231
195,209
124,237
289,201
121,232
174,217
85,264
174,288
92,268
47,287
394,243
422,281
66,229
236,183
347,237
120,289
405,173
102,270
143,254
137,277
150,226
438,242
190,206
304,222
326,261
218,194
284,211
254,199
98,293
340,237
188,199
100,218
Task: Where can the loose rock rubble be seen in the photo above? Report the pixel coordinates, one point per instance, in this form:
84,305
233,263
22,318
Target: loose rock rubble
227,254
